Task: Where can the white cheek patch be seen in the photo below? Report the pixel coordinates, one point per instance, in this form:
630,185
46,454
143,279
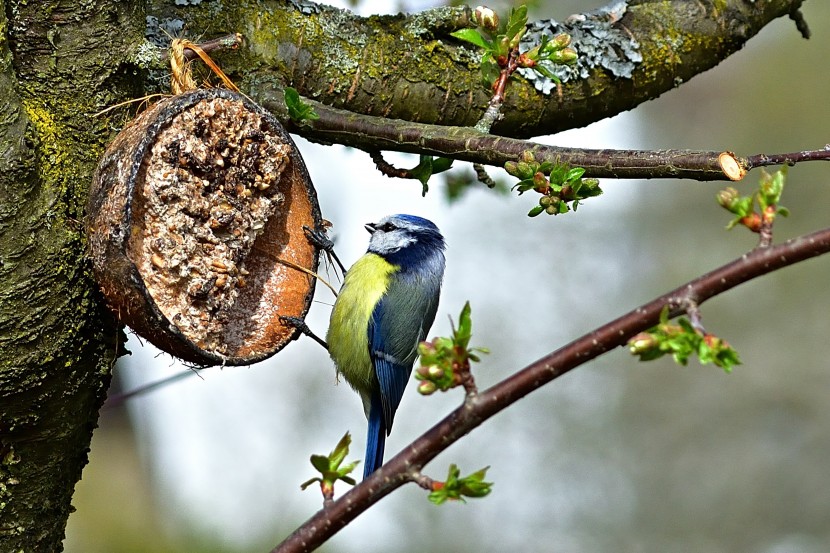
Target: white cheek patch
390,242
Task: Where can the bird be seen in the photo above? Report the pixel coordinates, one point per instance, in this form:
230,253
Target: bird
385,308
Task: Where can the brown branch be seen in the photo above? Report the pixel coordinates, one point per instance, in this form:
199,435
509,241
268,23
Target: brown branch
406,465
466,144
387,168
765,160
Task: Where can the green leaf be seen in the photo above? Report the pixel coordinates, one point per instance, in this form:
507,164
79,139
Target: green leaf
292,97
457,488
445,361
535,210
329,466
489,70
309,482
516,21
341,450
428,166
441,164
574,174
473,37
298,110
465,327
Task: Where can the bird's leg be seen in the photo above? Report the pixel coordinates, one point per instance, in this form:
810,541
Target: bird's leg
300,325
318,237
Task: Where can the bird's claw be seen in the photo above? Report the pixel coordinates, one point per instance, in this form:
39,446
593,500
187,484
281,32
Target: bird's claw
320,239
303,328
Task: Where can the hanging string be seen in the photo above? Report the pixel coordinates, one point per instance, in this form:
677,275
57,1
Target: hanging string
182,80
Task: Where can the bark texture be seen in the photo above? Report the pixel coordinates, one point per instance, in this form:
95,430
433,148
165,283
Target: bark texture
59,63
410,68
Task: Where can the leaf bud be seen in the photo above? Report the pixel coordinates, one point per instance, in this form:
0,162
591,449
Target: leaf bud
752,222
713,341
527,156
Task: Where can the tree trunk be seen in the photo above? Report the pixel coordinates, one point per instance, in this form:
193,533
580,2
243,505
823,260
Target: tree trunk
60,63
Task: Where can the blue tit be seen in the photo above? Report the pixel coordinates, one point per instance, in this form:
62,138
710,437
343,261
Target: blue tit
384,310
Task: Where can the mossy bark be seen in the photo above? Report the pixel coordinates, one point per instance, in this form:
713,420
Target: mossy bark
60,62
409,67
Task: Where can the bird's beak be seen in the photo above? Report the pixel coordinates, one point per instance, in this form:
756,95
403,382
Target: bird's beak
370,227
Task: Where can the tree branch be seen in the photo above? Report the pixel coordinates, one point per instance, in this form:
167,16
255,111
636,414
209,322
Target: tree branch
467,144
406,465
408,67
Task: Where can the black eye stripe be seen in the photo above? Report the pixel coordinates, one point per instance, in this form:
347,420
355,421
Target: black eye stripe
387,227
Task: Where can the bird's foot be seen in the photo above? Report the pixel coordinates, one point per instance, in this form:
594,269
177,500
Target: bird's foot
300,325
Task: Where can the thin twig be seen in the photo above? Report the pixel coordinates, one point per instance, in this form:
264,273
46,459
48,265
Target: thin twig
399,470
483,176
117,400
387,168
800,23
765,231
765,160
422,480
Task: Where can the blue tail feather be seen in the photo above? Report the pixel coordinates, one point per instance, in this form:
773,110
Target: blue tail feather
376,438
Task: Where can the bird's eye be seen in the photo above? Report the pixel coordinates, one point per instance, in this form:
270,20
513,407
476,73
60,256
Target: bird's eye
388,227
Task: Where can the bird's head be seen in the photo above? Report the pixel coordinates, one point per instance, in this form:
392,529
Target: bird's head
397,237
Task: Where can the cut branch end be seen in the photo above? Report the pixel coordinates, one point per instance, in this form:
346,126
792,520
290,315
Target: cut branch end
731,166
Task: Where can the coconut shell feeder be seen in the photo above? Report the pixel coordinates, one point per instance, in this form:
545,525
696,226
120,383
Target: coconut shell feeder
195,225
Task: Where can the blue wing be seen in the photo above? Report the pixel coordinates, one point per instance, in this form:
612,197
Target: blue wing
399,322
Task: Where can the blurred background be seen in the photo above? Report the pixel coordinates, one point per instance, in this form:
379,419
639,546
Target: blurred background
617,455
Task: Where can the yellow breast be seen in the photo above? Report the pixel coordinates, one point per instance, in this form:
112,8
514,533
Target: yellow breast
364,285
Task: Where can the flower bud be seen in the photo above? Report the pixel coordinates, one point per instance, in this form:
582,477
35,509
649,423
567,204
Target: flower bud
486,18
539,181
436,372
642,343
527,156
562,40
525,170
426,387
568,55
727,197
